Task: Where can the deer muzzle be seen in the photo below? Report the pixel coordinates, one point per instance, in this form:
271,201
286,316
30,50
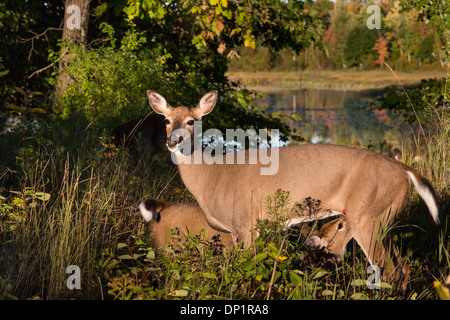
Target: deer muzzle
173,141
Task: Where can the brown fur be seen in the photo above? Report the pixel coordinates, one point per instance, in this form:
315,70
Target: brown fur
151,128
187,217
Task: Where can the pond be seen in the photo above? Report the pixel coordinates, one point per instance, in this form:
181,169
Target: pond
338,117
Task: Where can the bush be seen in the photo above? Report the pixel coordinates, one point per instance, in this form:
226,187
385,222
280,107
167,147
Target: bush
426,105
105,91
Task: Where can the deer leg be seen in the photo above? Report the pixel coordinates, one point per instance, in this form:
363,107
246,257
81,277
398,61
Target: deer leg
379,250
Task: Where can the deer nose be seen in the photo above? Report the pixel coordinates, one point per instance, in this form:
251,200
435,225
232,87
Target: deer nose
172,143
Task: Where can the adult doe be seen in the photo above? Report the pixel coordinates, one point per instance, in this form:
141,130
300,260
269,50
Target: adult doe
366,189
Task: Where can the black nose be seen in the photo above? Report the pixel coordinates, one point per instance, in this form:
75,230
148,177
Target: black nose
172,143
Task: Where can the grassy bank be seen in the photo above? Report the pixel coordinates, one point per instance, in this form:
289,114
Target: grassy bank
329,79
78,206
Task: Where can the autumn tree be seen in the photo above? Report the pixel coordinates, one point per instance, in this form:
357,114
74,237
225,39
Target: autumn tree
381,47
436,13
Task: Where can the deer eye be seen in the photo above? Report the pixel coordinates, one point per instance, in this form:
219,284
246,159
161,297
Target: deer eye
167,121
190,122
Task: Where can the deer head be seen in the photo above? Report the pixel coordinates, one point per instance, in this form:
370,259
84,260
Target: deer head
180,121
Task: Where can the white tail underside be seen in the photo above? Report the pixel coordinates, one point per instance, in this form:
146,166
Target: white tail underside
427,196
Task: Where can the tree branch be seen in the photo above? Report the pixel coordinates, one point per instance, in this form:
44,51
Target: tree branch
51,64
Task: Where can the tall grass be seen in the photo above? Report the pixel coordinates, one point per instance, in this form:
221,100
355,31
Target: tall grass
66,209
428,152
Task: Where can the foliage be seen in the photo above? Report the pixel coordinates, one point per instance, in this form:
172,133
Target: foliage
226,24
437,13
24,104
19,22
381,47
412,42
425,103
359,44
106,91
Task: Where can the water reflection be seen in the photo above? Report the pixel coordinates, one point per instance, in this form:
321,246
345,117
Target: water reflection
338,117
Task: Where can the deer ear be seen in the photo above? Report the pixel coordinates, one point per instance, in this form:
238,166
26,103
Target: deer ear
151,209
206,105
158,103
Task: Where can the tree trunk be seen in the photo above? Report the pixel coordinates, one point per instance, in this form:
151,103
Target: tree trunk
76,19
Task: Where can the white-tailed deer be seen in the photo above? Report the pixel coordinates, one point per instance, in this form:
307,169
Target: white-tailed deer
188,218
365,188
153,131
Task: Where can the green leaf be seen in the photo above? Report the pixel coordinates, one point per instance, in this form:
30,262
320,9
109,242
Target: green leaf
37,110
152,269
151,255
360,296
295,278
358,283
273,248
35,93
249,265
260,256
179,293
385,285
20,90
121,245
296,294
99,10
125,257
209,275
43,196
14,107
327,293
259,242
320,273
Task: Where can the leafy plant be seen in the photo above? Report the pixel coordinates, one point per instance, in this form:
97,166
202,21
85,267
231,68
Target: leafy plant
24,103
423,104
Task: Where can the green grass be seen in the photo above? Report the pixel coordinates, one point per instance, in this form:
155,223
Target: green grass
328,79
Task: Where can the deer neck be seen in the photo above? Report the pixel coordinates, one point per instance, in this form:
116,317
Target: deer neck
192,170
